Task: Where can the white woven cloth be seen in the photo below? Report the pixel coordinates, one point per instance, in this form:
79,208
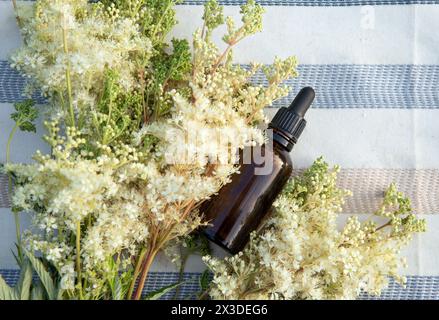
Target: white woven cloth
375,69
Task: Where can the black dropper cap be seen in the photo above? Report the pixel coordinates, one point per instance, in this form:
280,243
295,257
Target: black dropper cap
288,123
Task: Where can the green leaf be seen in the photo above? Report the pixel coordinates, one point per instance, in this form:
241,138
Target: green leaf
28,126
59,294
6,292
157,294
180,59
117,292
37,292
23,286
204,280
17,260
44,276
26,113
174,66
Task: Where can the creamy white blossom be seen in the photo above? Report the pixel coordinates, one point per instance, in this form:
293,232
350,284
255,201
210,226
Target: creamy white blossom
83,38
142,131
301,254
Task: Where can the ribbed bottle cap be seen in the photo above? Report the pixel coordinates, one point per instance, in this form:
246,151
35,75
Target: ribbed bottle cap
290,122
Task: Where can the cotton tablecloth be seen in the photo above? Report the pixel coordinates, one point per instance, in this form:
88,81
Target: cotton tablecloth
375,68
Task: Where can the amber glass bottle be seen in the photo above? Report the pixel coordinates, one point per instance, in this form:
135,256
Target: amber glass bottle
241,206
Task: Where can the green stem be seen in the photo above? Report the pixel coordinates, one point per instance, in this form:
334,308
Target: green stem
16,214
96,125
145,111
204,295
78,257
158,24
156,106
8,145
110,111
147,102
384,226
136,272
184,258
146,265
231,44
14,4
68,80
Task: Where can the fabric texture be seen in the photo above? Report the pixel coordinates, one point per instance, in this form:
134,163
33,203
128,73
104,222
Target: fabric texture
375,67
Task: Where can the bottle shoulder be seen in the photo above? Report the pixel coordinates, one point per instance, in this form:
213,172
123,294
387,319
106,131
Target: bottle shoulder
283,154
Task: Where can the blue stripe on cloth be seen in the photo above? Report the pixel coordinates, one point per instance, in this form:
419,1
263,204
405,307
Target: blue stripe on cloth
12,85
317,3
337,85
417,287
368,86
308,3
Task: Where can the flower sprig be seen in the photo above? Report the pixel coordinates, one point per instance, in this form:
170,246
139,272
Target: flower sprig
107,198
251,23
213,17
300,254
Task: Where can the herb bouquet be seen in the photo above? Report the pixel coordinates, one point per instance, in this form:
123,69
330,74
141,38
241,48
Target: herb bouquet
124,180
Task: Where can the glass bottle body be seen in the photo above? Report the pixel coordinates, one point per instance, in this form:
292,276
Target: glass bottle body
242,205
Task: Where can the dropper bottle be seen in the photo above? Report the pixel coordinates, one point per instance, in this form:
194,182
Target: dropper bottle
240,206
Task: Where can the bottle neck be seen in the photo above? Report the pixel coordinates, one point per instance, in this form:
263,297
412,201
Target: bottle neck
283,139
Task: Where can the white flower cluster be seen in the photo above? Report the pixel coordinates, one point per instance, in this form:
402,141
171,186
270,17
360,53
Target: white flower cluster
143,136
300,254
97,193
82,39
108,194
203,132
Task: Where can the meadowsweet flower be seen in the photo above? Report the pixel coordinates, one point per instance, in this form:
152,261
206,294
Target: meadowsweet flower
300,253
143,131
86,39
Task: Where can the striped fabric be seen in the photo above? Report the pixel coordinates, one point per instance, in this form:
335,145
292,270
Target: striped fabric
416,288
375,67
317,2
367,185
4,192
338,86
310,2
